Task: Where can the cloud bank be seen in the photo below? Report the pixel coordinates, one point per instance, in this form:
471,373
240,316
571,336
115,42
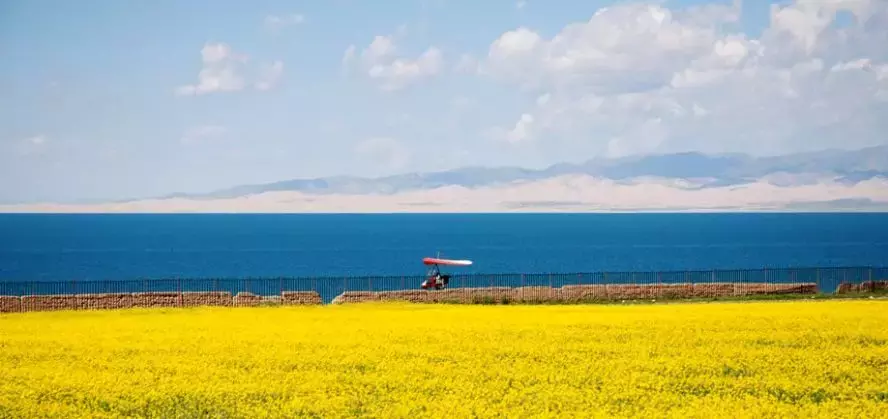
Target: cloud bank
385,65
225,70
638,78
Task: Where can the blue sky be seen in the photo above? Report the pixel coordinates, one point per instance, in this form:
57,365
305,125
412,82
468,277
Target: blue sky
92,103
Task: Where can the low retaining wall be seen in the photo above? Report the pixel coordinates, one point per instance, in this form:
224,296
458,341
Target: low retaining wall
542,294
578,293
865,286
12,304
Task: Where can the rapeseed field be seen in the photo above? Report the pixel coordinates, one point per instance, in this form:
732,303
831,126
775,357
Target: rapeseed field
771,359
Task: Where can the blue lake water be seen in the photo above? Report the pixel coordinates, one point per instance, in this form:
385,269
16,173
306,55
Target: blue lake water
38,247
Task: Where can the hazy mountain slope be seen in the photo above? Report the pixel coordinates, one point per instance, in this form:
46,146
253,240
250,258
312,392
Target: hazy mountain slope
573,193
705,170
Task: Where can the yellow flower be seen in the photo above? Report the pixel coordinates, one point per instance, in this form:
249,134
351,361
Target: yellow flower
391,360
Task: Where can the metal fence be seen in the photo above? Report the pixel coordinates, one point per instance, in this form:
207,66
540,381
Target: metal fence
817,280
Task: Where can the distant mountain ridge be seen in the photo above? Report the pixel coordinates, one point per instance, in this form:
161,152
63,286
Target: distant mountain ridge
717,170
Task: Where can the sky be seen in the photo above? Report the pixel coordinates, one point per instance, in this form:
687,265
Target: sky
110,100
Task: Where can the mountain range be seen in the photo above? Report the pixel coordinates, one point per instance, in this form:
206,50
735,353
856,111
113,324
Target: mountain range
706,171
827,180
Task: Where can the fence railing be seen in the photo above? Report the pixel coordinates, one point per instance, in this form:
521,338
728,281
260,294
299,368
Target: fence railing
38,295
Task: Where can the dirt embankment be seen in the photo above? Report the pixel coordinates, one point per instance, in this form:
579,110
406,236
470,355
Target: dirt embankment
578,293
865,286
567,293
11,304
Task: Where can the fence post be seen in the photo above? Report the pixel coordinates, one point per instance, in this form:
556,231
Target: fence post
711,283
771,286
659,284
179,290
817,281
31,291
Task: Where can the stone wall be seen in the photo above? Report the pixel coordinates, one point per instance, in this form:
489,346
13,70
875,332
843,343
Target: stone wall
540,294
865,286
578,293
12,304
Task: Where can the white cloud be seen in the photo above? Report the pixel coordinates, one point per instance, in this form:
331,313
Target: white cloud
221,72
225,70
347,58
275,22
382,62
269,75
380,48
638,78
400,73
522,130
202,133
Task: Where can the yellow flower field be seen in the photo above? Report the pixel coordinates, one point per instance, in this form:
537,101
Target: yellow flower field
770,359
